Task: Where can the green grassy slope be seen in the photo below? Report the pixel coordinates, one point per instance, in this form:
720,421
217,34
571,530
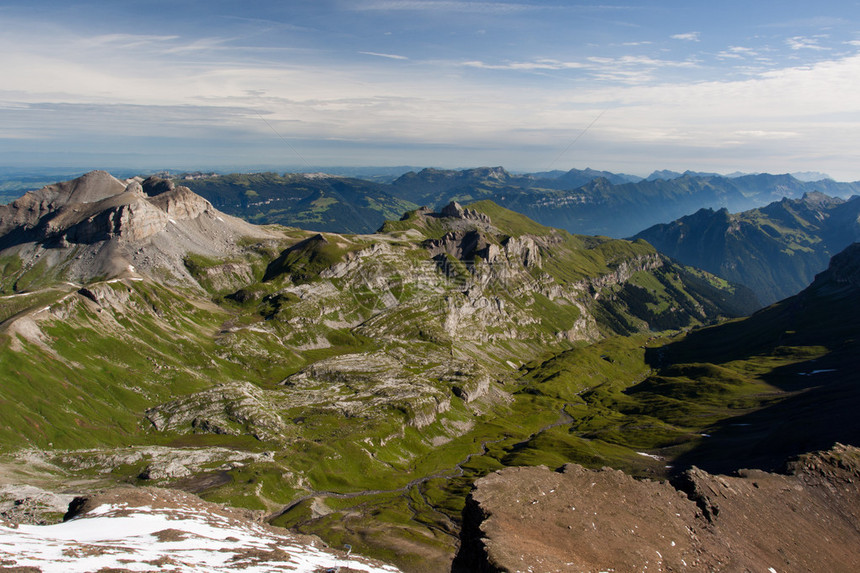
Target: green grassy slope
377,384
335,204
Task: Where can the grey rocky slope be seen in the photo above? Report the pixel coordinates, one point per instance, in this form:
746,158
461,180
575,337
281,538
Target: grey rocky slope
98,226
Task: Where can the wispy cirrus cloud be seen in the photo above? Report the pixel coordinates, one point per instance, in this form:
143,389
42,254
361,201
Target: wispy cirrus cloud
388,56
127,41
540,64
688,36
737,52
821,22
766,134
803,43
625,69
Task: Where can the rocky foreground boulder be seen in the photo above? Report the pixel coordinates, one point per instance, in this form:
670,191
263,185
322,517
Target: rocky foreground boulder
538,520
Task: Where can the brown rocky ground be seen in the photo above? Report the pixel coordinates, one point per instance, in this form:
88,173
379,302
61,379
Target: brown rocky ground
538,520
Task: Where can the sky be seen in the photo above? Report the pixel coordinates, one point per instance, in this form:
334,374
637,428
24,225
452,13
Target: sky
530,85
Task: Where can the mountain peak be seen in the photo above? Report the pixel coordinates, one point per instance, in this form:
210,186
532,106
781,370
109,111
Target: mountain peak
97,225
154,185
664,174
819,199
456,211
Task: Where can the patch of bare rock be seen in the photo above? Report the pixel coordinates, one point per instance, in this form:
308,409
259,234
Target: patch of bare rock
538,520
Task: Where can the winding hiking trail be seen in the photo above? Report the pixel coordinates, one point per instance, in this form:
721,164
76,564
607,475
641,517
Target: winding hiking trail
447,474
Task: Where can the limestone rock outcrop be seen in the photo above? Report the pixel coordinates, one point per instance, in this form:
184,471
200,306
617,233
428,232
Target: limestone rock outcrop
231,408
97,226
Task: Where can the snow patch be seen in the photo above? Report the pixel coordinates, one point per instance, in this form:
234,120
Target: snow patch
114,536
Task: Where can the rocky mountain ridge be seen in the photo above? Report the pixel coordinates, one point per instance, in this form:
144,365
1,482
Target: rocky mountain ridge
98,226
776,250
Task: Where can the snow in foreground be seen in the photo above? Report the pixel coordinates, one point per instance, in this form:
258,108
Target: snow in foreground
179,538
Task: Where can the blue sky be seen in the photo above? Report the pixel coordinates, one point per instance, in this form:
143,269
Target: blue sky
531,85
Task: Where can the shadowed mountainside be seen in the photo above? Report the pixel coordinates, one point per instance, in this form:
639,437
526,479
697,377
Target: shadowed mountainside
775,250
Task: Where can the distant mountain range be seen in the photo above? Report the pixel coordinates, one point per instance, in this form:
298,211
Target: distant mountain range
580,201
313,201
601,206
586,201
806,176
775,250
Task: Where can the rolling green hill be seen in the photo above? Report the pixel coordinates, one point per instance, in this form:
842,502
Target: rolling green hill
311,201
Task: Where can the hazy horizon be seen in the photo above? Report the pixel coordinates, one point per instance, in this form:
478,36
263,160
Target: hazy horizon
529,85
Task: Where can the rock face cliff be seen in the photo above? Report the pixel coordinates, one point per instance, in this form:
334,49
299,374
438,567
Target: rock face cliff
844,269
97,225
534,519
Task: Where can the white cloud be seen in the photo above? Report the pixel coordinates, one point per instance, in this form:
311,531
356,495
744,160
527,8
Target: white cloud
389,56
802,43
689,36
737,52
60,82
